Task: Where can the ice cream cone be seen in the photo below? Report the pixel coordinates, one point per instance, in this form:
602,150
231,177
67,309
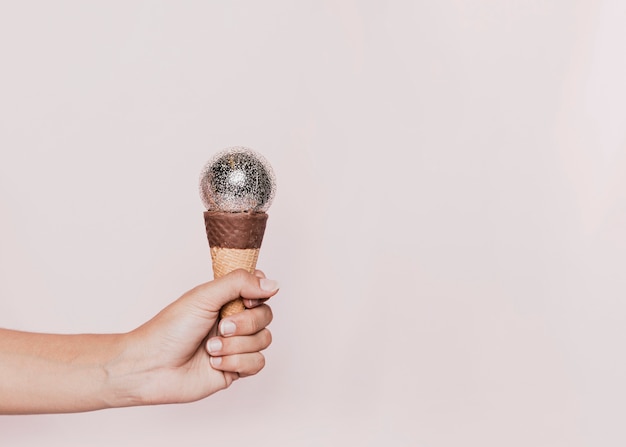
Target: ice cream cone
235,240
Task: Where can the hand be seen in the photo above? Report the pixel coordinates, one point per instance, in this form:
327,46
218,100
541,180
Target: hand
181,355
166,360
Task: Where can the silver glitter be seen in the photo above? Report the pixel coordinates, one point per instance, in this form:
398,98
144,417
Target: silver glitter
237,179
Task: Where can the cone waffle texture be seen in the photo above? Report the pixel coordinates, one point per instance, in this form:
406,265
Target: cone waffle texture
235,241
225,260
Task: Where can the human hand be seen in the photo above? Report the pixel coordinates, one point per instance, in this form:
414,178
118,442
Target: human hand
183,355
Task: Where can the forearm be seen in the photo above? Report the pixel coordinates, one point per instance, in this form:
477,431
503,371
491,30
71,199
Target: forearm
166,360
45,373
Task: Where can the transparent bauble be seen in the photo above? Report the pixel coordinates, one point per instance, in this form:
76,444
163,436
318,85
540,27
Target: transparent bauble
237,179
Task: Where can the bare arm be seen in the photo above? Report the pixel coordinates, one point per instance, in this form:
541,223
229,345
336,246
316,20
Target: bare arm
166,360
46,373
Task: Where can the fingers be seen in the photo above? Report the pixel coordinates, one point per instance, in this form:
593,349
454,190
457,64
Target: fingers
242,337
219,346
247,322
243,364
250,303
238,284
239,354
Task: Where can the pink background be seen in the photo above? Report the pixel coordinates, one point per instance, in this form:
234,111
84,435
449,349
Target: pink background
449,229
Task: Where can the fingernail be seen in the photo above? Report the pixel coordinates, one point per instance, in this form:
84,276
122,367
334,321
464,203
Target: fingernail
269,285
215,361
227,328
251,303
214,345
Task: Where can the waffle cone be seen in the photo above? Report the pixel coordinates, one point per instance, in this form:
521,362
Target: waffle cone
235,241
225,260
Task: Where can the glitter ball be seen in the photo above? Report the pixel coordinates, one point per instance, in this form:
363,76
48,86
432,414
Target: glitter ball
237,179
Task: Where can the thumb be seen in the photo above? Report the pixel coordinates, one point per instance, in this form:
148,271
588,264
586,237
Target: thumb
237,284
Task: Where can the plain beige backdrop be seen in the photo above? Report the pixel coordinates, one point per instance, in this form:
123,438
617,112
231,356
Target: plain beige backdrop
449,229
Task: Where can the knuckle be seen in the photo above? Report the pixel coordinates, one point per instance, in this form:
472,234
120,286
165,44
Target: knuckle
266,338
270,314
235,363
259,362
254,326
240,274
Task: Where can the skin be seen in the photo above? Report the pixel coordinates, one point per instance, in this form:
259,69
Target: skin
181,355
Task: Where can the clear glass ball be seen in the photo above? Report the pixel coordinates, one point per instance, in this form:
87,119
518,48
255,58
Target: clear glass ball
237,179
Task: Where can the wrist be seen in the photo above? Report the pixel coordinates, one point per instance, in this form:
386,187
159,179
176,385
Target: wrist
123,382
